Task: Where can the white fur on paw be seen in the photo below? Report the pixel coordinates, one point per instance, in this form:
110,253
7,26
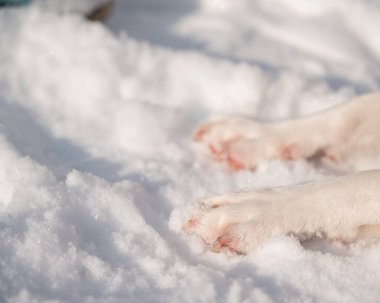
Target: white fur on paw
237,197
236,226
218,133
210,223
242,143
245,237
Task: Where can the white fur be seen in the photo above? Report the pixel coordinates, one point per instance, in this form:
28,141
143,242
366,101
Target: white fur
344,208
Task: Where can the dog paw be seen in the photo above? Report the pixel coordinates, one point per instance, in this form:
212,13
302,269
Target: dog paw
243,238
210,223
243,143
216,134
247,153
238,222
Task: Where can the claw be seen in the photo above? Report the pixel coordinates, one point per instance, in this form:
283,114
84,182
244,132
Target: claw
234,164
190,225
218,245
216,152
199,134
213,149
224,242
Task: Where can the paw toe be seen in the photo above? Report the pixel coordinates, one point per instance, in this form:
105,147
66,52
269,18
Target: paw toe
213,202
226,241
235,164
216,152
200,133
190,225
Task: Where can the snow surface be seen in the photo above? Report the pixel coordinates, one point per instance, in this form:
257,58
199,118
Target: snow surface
97,167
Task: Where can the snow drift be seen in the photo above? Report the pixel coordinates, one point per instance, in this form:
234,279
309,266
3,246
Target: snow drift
97,167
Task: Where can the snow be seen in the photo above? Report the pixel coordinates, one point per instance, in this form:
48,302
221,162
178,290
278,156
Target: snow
97,168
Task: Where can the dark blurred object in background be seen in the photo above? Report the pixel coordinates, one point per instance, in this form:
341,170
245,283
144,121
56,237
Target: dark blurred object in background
13,2
99,13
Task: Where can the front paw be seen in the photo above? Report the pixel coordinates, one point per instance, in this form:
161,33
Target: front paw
243,143
218,133
242,238
247,153
237,227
